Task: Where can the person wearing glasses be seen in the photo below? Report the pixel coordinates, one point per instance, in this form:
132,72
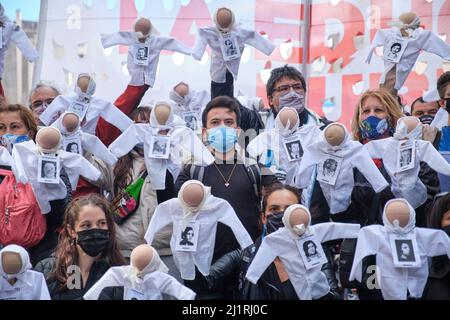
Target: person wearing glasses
41,96
287,87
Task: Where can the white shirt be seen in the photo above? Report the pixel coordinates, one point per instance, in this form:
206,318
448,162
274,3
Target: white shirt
210,36
394,282
353,156
214,210
308,284
273,140
152,286
13,33
26,155
141,74
406,184
97,108
418,41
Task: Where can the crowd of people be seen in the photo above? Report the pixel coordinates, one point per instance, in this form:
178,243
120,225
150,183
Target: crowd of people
127,201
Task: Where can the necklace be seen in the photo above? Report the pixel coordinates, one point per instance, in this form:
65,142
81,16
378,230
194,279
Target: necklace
227,181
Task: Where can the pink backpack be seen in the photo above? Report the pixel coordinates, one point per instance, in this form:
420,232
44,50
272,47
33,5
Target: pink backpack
21,220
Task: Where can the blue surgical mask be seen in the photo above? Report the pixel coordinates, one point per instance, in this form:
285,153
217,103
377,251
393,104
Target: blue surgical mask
222,138
373,128
8,140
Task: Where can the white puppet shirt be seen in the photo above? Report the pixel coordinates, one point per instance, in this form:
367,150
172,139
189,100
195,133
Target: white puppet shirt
211,36
275,150
181,146
308,283
190,107
393,281
151,287
26,158
84,141
29,285
143,72
335,170
214,210
11,32
418,41
96,108
406,183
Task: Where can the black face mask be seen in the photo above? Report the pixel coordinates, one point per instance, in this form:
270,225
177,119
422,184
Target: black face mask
426,118
447,104
93,241
274,221
446,229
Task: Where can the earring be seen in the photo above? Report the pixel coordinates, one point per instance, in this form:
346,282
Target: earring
72,243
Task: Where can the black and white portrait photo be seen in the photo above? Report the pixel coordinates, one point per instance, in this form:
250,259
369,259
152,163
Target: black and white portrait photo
328,169
393,49
230,47
79,108
160,147
311,252
73,147
404,251
405,157
310,249
191,121
294,150
187,237
48,169
141,57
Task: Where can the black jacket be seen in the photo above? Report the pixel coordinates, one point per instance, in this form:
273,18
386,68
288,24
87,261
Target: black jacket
438,284
46,267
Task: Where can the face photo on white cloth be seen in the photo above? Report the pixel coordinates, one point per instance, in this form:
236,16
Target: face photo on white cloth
404,251
293,149
48,169
311,252
141,57
229,46
72,145
187,237
328,169
191,120
406,157
394,48
79,108
159,147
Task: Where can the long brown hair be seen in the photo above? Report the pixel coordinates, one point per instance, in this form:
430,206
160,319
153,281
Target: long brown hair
66,252
122,169
393,109
25,115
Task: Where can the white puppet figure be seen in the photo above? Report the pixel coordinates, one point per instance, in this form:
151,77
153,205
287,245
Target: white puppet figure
299,247
402,46
5,157
402,155
195,214
10,32
88,107
144,47
145,278
77,141
281,149
189,104
227,41
17,280
401,250
168,145
334,156
40,165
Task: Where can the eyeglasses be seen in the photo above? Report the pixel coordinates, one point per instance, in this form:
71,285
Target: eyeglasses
40,103
298,87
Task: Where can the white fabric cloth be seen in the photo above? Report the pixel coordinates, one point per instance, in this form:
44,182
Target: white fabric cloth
140,74
97,108
25,169
153,285
419,40
89,142
312,119
394,281
5,157
273,140
217,210
440,119
406,184
14,33
353,156
30,285
210,36
185,147
194,102
308,284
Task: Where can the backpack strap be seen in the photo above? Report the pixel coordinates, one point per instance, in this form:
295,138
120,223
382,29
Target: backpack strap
197,172
254,173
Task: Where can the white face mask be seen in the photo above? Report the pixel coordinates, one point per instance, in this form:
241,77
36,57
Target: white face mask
292,99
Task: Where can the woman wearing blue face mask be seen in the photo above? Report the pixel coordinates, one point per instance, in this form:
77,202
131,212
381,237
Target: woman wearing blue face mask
17,124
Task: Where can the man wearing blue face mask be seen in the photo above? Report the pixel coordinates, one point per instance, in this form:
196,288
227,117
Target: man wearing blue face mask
286,87
230,177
